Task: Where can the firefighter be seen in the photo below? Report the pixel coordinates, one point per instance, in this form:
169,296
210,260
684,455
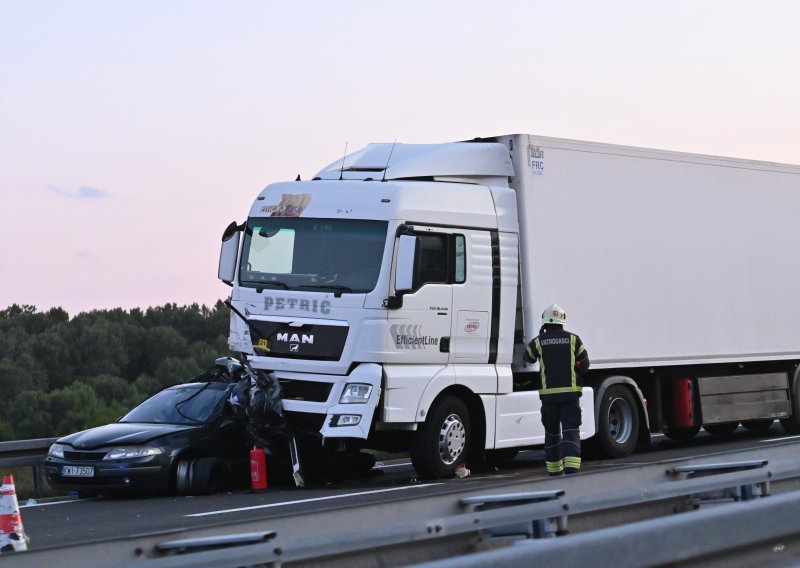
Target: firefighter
563,360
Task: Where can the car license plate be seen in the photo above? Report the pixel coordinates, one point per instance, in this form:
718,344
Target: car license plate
77,471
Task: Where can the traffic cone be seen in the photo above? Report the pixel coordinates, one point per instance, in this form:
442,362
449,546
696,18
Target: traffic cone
12,533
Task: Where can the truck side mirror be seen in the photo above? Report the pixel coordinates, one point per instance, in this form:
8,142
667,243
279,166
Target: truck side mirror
228,253
406,257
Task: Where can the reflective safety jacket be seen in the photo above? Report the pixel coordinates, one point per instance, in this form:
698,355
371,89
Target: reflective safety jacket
562,361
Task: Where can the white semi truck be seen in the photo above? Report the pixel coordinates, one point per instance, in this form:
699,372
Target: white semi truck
393,294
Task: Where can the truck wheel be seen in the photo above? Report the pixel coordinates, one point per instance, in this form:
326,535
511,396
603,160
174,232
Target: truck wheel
440,445
682,434
722,429
758,425
618,427
792,424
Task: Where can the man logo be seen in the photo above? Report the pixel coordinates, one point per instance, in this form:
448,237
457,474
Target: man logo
294,347
295,338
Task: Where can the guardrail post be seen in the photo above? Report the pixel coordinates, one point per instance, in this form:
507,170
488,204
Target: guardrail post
37,481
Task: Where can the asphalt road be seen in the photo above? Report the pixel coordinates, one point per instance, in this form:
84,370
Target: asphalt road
80,521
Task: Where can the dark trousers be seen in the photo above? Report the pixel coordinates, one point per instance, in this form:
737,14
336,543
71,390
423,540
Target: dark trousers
562,441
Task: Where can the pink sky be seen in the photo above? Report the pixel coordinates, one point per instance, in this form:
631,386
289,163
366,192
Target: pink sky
132,133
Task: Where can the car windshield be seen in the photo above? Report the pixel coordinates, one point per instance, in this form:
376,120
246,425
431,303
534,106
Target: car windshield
182,404
292,253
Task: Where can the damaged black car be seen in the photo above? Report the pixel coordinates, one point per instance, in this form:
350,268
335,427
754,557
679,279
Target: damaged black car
185,439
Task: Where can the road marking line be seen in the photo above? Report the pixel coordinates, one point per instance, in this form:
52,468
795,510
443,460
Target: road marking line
780,439
222,511
24,505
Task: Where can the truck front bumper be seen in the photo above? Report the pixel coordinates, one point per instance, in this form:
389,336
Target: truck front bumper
324,403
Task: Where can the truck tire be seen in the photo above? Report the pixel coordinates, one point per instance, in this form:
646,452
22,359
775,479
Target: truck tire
618,425
683,434
721,429
792,424
758,425
440,445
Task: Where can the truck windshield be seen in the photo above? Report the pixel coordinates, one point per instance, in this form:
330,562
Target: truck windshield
291,253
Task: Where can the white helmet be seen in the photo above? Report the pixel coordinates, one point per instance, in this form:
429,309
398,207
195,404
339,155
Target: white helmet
554,314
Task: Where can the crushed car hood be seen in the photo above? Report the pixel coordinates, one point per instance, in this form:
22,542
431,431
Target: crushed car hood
122,433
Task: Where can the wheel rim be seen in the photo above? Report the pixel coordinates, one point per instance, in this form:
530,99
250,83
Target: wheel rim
452,439
620,420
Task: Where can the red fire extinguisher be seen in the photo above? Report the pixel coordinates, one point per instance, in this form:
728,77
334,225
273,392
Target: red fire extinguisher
258,469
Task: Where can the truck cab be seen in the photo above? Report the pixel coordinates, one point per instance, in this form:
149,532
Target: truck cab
384,293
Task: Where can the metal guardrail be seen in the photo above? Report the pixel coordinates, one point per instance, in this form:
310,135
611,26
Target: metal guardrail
716,506
452,533
520,529
469,524
759,532
21,453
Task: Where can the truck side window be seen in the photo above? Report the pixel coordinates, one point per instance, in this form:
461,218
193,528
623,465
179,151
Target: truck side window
432,260
442,260
460,259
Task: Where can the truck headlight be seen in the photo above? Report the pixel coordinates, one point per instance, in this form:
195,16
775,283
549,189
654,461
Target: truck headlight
132,452
355,393
56,450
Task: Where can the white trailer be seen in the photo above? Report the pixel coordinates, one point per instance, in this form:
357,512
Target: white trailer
394,292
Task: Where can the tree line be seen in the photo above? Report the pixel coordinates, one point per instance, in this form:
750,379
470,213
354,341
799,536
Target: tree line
59,374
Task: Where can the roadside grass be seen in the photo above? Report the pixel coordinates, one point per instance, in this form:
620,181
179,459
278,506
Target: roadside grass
23,484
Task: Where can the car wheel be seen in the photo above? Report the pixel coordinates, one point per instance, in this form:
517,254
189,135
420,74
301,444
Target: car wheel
184,476
207,477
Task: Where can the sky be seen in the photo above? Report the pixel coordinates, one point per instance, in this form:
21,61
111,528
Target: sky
132,132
